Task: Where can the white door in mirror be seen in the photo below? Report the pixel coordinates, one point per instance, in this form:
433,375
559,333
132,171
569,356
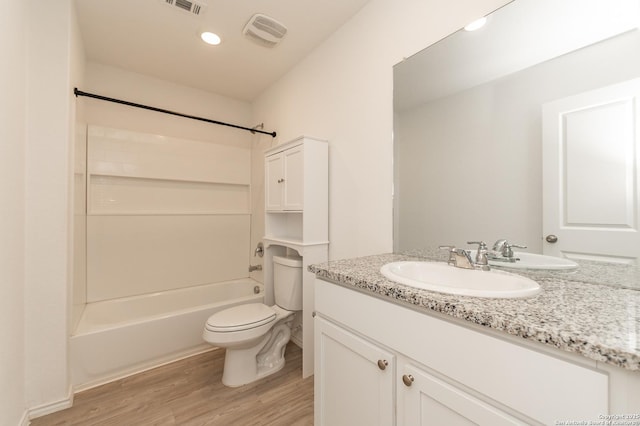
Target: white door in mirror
444,278
590,168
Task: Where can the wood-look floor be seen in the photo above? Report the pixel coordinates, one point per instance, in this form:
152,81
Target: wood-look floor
190,393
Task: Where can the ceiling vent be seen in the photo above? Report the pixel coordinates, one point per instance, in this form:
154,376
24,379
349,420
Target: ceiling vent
264,30
193,7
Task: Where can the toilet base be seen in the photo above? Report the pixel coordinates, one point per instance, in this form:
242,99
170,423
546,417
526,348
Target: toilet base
244,366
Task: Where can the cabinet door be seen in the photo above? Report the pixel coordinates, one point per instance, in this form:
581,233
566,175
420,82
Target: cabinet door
426,400
273,168
353,379
293,178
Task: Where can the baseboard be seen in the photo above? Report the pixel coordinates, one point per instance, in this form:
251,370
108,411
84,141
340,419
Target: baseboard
296,341
142,367
51,407
24,421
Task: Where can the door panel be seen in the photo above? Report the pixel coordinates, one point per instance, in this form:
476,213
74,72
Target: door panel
273,177
590,169
293,178
350,387
429,401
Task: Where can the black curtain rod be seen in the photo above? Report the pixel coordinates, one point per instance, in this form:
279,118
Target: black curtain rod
165,111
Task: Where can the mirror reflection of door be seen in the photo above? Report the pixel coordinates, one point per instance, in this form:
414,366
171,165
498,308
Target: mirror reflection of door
590,174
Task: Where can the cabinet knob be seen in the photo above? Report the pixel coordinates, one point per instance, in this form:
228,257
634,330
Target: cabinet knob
382,364
280,180
551,239
407,379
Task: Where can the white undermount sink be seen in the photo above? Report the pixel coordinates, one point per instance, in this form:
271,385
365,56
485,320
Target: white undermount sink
444,278
534,261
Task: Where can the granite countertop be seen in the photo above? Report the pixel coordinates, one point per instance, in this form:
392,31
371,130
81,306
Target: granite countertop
572,312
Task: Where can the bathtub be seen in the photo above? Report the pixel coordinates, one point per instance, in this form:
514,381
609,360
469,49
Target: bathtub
120,337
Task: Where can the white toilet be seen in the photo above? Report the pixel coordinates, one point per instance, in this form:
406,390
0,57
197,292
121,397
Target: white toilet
255,335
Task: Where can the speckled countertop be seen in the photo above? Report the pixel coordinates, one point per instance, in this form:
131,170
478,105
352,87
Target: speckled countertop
573,312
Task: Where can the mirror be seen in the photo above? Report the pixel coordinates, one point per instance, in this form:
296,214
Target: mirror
468,142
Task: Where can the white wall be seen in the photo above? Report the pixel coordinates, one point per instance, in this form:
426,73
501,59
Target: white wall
469,171
48,204
13,21
78,290
342,92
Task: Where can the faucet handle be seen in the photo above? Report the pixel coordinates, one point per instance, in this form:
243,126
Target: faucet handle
507,249
452,253
481,244
516,246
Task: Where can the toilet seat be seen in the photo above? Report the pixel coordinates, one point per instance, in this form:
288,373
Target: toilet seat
239,318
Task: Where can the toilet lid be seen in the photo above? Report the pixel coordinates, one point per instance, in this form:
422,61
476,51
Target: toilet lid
242,317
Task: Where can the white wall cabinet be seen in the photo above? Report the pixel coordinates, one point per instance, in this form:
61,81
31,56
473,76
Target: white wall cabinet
297,218
455,373
285,180
297,191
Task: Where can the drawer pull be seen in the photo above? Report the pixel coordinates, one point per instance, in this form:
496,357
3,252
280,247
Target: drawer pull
382,364
407,379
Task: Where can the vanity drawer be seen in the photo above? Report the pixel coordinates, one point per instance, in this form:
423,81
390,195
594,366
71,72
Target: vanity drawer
541,386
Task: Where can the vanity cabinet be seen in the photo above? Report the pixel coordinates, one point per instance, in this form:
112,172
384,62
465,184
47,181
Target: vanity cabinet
359,382
284,177
353,379
441,371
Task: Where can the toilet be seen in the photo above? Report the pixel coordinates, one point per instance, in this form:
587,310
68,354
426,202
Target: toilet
255,335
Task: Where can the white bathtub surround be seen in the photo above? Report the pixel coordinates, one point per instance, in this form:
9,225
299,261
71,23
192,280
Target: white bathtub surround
165,216
164,213
116,338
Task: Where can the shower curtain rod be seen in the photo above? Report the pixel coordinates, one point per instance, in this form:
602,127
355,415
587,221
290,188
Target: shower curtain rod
165,111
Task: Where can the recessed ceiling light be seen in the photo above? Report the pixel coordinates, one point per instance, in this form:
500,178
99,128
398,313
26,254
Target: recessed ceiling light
210,38
476,25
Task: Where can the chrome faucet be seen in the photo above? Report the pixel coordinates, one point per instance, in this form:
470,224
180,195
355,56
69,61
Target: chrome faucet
482,260
503,251
461,258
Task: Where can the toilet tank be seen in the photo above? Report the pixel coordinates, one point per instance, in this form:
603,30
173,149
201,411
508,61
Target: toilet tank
287,282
